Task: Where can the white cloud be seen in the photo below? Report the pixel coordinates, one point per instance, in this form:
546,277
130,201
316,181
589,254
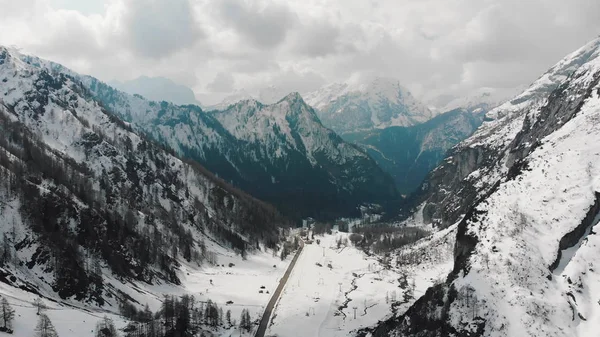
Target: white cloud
434,47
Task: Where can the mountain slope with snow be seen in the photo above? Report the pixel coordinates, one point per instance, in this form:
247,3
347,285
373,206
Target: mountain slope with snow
408,154
280,153
94,213
526,247
376,104
294,159
503,140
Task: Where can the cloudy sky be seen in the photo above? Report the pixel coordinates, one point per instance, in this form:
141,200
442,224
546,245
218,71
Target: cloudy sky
434,47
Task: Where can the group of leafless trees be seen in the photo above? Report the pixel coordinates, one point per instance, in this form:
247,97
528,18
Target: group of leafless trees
183,316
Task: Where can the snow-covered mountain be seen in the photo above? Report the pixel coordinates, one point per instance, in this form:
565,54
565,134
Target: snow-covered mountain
409,153
157,89
93,212
289,158
280,153
376,104
271,94
481,98
525,192
236,96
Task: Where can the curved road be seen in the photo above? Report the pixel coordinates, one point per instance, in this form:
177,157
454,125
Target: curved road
264,321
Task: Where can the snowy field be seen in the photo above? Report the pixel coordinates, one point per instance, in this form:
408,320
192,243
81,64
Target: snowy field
240,284
311,301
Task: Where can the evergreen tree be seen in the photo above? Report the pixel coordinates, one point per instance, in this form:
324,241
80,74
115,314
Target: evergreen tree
44,327
245,320
168,309
106,328
228,317
7,314
183,321
39,305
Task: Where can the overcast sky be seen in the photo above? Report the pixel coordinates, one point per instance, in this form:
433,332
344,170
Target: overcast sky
433,47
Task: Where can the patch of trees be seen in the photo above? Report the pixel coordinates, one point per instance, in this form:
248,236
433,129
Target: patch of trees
44,327
7,315
183,316
384,238
320,228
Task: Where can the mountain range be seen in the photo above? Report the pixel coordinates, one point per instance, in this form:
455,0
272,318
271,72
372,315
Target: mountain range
110,200
280,153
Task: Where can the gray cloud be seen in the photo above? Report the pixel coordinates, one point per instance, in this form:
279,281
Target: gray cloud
437,48
317,39
158,28
264,25
223,82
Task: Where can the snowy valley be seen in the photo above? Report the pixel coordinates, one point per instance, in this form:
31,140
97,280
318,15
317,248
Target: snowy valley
352,210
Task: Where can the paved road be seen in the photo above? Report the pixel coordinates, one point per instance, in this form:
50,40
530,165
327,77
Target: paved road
264,322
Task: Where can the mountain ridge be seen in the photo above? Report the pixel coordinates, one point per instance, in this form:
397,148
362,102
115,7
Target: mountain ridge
376,104
523,192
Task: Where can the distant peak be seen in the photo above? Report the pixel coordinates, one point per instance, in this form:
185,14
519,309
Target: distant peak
293,97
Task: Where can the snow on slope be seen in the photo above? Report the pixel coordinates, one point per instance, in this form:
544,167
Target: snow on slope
52,107
318,301
376,104
256,123
526,250
504,138
519,234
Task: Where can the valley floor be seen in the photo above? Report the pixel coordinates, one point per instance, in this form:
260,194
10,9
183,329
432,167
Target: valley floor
241,284
356,292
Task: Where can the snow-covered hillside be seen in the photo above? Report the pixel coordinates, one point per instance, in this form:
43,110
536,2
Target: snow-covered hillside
285,157
526,250
94,216
508,134
321,301
376,104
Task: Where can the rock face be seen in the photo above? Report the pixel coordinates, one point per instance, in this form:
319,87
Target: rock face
377,104
409,153
525,189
